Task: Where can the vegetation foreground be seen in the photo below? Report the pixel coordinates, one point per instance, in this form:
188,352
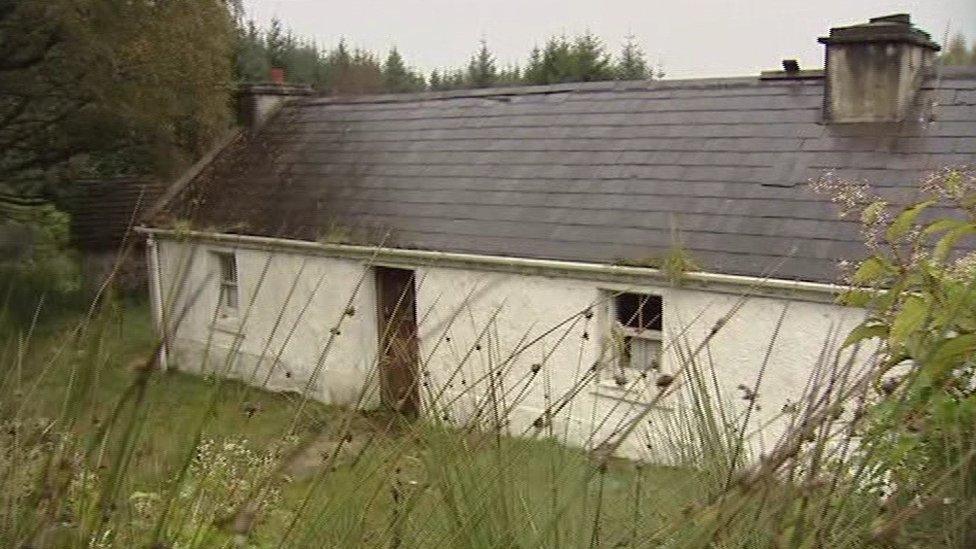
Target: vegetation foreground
99,448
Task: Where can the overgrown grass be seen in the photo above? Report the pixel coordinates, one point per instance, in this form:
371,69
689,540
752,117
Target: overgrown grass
103,449
386,468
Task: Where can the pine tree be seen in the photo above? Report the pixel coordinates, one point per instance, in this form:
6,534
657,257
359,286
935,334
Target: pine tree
591,62
632,65
481,69
276,42
534,72
457,80
251,56
364,76
417,81
435,80
510,76
558,62
396,77
301,59
956,53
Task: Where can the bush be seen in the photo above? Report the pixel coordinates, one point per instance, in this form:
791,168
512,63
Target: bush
919,286
35,260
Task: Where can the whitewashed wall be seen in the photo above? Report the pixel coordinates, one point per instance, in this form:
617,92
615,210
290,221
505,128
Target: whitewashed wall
471,323
298,342
525,307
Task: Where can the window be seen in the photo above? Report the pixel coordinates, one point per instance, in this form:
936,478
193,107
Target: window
227,270
637,326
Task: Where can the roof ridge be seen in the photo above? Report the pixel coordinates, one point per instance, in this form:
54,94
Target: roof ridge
543,89
593,87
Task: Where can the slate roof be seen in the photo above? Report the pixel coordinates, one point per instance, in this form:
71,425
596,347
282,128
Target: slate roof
102,211
598,172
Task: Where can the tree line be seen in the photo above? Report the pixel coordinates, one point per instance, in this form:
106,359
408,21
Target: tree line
956,53
345,70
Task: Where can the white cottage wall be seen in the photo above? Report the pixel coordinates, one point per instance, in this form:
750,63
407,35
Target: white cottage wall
473,322
283,354
534,316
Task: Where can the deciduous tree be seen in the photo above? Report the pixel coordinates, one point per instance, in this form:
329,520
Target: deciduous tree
100,87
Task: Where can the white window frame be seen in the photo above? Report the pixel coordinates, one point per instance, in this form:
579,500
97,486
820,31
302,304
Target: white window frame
228,287
618,373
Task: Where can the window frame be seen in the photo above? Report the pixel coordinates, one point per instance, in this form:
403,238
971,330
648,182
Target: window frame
227,286
619,373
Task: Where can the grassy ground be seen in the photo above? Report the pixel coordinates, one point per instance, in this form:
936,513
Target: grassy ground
341,479
99,450
176,401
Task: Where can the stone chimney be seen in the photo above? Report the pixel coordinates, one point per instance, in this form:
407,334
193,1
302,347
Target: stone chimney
256,102
874,70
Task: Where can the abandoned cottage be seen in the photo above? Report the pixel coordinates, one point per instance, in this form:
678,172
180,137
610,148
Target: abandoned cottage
551,249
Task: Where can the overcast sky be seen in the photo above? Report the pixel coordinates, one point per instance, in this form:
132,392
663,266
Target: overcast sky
690,38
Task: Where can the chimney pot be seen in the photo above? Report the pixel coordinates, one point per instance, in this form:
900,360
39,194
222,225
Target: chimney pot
791,65
277,76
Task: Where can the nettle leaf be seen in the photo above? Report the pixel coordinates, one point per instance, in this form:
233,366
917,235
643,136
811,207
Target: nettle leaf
910,319
871,270
865,331
856,298
949,352
957,308
948,242
905,220
945,224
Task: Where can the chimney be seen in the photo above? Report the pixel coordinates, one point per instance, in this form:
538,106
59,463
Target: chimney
257,102
874,70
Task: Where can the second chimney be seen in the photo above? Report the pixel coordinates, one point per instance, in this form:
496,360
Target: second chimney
257,102
874,70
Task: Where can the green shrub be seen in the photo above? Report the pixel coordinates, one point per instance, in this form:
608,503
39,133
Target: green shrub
35,259
919,286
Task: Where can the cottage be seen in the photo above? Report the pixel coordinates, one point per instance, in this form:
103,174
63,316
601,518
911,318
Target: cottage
550,254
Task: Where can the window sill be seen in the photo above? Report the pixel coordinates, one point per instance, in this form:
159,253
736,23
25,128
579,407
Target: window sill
632,393
229,325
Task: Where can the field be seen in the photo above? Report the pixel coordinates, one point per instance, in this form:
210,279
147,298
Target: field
355,479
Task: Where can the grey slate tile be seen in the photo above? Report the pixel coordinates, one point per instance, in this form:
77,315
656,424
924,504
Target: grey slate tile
594,172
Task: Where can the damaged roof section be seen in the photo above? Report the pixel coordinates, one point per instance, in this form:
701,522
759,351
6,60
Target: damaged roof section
605,173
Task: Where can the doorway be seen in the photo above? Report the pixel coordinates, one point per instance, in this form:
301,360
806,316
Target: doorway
399,350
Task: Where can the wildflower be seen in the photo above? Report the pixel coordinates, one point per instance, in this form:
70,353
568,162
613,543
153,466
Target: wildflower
664,381
747,393
964,268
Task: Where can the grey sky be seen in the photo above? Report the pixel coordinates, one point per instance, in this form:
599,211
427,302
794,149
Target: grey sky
691,38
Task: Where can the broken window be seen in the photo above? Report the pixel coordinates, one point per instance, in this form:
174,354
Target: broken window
227,271
638,323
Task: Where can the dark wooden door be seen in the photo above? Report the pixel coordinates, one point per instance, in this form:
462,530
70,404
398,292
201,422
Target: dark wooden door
397,312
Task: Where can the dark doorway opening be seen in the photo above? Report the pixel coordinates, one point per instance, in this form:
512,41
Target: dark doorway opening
399,351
